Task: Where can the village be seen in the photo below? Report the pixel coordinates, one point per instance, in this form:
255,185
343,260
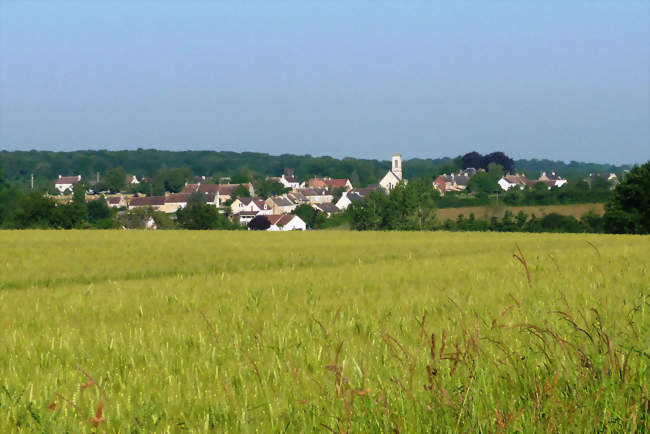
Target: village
329,196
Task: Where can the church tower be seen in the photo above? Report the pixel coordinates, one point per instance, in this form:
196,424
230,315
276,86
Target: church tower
397,165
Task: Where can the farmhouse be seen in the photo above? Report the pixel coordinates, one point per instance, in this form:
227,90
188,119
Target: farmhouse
132,179
64,183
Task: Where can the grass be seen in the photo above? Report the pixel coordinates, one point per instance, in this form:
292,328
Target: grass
134,331
487,212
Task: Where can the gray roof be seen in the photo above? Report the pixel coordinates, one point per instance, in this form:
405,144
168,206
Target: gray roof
327,207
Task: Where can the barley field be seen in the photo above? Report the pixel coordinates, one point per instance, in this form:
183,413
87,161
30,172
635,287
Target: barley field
134,331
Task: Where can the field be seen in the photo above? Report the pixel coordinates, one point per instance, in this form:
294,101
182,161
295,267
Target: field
577,210
134,331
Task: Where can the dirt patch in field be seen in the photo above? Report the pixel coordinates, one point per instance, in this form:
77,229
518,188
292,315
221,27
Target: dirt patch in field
538,210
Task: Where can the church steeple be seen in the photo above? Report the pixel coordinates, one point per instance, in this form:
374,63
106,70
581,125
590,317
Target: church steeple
397,165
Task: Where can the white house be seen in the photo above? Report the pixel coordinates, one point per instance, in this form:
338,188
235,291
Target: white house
132,179
394,175
66,182
286,222
509,181
553,179
354,195
250,204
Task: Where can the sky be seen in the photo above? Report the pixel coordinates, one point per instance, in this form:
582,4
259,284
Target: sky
548,79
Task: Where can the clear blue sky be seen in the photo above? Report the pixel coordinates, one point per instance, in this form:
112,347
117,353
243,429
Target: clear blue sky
561,80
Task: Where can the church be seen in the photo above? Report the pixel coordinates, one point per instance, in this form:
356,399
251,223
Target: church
394,175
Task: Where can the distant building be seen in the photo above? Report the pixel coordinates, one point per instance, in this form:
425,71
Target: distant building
394,175
64,183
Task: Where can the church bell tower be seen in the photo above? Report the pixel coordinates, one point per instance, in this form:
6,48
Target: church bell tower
397,165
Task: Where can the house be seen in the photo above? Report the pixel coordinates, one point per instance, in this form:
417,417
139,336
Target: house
297,197
316,195
281,204
331,184
515,181
394,175
116,201
155,202
553,179
328,208
64,183
354,195
244,217
288,179
286,222
453,182
250,204
132,179
174,202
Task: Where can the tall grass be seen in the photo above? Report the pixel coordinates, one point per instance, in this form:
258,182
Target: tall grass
342,332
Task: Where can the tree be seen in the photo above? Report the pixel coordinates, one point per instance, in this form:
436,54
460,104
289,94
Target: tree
337,193
115,180
501,159
486,182
34,211
240,191
98,209
200,216
259,223
266,187
472,159
628,210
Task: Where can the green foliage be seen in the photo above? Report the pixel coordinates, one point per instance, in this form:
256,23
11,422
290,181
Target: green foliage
201,216
240,191
310,216
136,218
486,182
265,188
408,207
337,193
115,180
35,211
628,211
98,210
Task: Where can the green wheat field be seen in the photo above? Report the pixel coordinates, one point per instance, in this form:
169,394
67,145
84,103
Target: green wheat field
134,331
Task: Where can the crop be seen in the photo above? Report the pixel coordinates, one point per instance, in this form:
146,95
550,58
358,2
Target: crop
134,331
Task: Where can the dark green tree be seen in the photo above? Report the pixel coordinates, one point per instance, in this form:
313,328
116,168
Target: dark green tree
115,180
201,216
628,211
98,210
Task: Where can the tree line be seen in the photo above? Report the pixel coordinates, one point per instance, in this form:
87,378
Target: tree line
168,169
